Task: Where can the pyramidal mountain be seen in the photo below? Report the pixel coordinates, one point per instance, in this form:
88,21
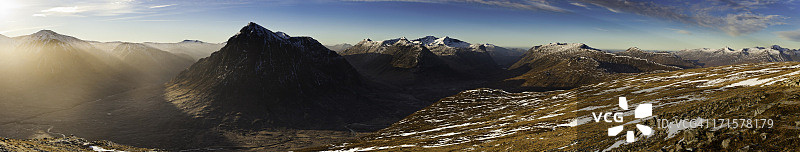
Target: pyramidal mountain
707,57
262,78
665,58
569,65
156,63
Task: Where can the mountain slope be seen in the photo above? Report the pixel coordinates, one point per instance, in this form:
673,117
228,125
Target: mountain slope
64,144
460,56
5,41
728,56
503,56
266,79
194,48
568,65
156,63
6,44
339,47
495,120
50,62
664,58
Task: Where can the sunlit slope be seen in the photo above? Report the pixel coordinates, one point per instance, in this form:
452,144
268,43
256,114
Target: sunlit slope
495,120
66,144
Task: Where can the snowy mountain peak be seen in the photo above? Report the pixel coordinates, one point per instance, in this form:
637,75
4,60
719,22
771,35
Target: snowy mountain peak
728,49
368,40
778,47
426,40
47,36
45,32
634,49
450,42
255,30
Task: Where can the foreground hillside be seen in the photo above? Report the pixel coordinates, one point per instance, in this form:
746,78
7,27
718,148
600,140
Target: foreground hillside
65,144
495,120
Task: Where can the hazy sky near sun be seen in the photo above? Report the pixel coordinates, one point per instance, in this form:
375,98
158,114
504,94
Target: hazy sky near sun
605,24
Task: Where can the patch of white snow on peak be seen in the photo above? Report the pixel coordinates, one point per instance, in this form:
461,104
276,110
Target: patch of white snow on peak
283,35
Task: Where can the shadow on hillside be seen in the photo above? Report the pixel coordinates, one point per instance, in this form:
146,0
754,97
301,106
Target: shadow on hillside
139,117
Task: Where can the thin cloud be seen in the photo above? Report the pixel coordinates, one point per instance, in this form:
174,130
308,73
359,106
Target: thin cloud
73,9
91,8
161,6
600,29
732,17
580,5
680,31
524,5
789,35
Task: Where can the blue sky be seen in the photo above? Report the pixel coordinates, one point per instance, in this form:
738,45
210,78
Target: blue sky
605,24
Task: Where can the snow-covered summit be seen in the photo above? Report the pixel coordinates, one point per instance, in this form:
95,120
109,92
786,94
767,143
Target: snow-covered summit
450,42
48,35
432,41
558,47
255,30
634,49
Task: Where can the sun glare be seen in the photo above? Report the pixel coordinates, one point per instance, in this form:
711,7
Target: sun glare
7,7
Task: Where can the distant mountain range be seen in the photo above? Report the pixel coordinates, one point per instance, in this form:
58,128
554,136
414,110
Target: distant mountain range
666,58
569,65
727,56
194,48
425,59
